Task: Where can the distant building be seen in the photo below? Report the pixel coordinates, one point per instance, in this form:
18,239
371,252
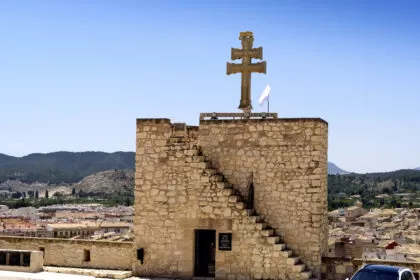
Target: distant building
354,212
118,227
71,230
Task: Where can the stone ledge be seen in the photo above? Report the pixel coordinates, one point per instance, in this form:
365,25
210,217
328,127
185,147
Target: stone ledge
98,273
215,115
269,120
154,120
17,239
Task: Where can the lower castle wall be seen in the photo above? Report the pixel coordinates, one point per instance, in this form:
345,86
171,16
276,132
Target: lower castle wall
70,253
337,268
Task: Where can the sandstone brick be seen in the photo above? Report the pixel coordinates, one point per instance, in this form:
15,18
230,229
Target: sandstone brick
287,161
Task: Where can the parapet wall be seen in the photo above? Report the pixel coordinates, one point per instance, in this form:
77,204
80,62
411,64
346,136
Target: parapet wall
286,159
71,253
337,268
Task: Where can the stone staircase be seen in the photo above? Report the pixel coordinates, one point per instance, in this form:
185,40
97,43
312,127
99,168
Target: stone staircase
295,266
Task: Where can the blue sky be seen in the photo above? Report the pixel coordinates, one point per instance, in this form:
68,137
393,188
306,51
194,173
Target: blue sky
74,75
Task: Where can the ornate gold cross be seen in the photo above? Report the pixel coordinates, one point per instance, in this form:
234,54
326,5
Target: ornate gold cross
246,68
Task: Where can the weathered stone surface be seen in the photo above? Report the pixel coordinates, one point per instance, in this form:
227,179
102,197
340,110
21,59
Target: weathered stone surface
289,169
70,253
186,191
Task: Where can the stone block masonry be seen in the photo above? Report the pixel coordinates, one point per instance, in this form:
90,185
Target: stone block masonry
21,260
288,162
74,253
197,178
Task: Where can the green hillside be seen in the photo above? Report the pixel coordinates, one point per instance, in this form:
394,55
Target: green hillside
401,188
61,167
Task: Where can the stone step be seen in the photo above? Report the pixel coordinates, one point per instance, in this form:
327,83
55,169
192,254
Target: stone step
193,152
224,185
210,171
196,158
254,219
216,178
273,239
287,253
292,260
204,165
306,274
240,205
300,267
280,246
260,225
234,198
227,192
267,232
229,186
247,212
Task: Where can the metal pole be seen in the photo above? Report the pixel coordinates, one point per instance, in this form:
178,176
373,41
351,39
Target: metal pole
268,105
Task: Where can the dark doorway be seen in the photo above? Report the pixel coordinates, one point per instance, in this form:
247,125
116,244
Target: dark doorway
205,253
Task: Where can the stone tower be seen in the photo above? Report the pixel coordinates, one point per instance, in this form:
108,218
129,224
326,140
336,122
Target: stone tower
196,179
193,189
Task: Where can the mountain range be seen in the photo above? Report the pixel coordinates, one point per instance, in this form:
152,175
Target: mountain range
334,169
62,167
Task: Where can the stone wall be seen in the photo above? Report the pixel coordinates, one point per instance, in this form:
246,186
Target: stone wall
35,263
288,162
178,191
167,191
71,253
337,268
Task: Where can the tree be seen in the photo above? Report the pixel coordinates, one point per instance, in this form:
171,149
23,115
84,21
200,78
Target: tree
127,201
46,194
36,194
17,195
58,194
393,202
82,194
73,192
381,202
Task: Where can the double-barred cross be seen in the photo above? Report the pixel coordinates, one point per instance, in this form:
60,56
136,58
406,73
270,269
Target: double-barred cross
246,67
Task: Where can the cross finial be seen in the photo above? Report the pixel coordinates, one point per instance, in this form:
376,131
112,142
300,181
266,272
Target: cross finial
246,67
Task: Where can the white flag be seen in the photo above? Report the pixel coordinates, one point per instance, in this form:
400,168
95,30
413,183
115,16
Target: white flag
265,94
